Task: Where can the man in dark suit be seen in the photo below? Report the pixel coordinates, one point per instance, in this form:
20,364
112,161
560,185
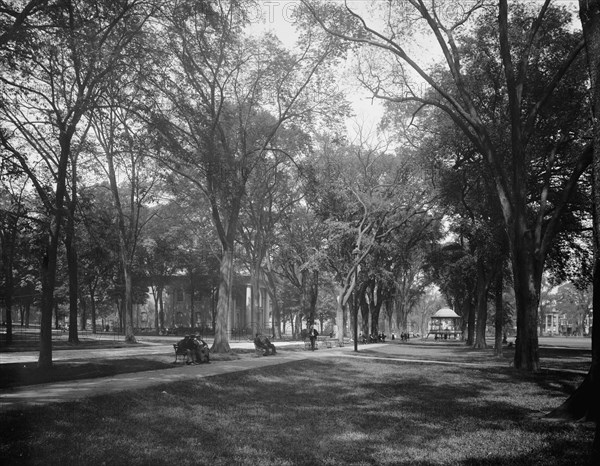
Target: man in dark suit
263,343
313,334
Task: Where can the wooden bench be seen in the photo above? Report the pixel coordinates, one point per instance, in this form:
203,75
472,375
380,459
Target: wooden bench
179,352
262,343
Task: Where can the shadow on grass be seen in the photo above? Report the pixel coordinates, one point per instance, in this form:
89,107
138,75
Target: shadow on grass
21,374
309,413
18,374
30,342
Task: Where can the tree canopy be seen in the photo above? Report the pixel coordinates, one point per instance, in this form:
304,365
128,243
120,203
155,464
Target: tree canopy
226,148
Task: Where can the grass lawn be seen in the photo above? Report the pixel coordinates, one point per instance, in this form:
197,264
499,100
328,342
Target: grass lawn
18,374
335,411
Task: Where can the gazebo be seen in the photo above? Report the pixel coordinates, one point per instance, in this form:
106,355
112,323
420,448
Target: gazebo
445,323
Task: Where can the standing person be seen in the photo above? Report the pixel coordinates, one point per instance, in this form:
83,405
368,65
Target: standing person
313,334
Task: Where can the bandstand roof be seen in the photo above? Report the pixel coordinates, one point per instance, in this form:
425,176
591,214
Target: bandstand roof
446,312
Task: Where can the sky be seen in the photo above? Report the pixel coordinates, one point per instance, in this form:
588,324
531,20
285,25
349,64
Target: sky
278,16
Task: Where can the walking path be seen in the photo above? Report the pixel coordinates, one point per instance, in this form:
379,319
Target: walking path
72,390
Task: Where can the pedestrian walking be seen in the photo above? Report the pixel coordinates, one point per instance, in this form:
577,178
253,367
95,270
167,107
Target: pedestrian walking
313,334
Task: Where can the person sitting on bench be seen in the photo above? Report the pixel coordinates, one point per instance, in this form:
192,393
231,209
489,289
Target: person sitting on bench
263,343
201,351
187,345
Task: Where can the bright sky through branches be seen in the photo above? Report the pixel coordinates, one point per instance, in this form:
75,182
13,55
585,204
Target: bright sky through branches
278,16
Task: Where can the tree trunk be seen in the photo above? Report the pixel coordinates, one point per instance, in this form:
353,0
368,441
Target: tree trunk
93,308
345,330
192,320
275,330
513,200
587,395
119,310
362,306
7,249
56,321
499,318
49,263
124,246
128,314
83,317
353,306
590,19
272,290
313,293
48,272
72,271
593,397
9,321
470,320
339,314
584,403
389,313
156,294
255,319
161,307
364,315
401,312
483,283
375,306
297,325
221,342
527,283
71,248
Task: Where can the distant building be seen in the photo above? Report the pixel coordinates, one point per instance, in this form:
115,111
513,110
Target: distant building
445,324
551,324
186,308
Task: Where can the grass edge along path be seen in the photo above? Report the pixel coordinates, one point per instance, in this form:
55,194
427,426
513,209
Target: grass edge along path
329,411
